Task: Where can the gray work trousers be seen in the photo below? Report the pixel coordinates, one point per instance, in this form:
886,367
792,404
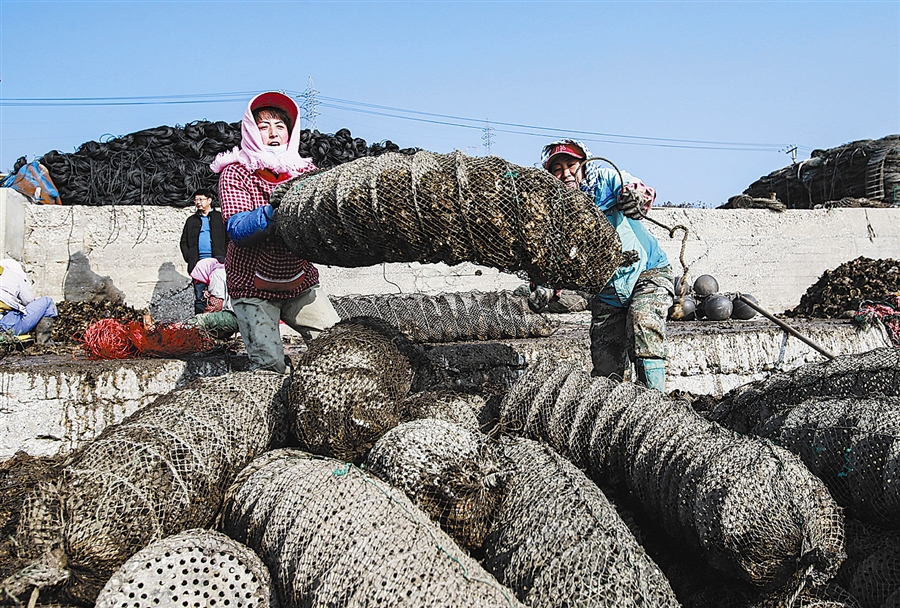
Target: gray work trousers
310,313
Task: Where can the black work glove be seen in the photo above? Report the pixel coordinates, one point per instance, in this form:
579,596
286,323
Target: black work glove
632,204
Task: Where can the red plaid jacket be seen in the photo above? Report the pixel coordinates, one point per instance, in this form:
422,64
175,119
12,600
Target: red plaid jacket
242,190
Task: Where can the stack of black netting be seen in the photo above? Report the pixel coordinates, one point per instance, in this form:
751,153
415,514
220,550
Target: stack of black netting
165,165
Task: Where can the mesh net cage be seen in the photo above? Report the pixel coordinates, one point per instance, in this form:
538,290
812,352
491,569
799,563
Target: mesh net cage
557,540
162,470
459,408
455,475
196,568
451,317
332,535
875,373
842,418
346,389
449,208
871,572
752,509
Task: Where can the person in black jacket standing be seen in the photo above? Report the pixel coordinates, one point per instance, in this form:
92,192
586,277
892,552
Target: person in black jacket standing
204,236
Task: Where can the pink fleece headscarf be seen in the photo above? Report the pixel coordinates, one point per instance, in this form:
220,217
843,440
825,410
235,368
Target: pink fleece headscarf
205,268
252,152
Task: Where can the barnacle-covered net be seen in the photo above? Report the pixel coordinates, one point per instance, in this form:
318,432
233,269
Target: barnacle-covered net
195,569
454,474
162,470
871,572
346,389
449,208
557,540
752,509
332,535
459,408
842,418
451,317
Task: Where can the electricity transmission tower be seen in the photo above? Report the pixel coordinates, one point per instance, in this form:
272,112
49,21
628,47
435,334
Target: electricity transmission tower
309,104
487,136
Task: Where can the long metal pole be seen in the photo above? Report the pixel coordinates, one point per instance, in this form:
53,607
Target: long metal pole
785,326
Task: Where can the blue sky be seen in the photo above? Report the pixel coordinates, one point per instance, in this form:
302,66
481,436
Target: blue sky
755,76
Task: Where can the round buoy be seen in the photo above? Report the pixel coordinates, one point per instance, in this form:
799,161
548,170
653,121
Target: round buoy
706,285
740,310
717,307
689,309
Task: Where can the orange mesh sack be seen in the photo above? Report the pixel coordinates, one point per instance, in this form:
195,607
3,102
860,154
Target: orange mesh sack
168,340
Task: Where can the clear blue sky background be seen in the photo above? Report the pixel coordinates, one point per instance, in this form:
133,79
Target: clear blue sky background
817,74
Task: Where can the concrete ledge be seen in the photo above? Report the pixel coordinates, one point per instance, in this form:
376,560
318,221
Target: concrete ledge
51,405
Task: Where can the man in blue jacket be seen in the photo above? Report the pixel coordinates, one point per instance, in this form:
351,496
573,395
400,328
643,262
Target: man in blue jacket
628,317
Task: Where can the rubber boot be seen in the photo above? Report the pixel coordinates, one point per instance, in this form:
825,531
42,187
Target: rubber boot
652,373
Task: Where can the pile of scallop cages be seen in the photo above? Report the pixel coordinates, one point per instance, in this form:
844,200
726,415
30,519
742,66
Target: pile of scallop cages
354,481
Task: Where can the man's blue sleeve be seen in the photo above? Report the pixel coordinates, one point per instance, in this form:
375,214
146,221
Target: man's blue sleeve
251,227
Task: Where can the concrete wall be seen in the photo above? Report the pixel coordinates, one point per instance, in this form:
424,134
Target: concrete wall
12,223
774,256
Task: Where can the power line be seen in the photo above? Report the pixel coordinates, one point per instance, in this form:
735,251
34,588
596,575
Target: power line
312,100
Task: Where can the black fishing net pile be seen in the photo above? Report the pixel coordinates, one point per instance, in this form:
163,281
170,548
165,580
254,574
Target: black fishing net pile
751,509
332,535
866,169
450,317
847,286
450,208
162,470
872,569
557,540
842,417
165,165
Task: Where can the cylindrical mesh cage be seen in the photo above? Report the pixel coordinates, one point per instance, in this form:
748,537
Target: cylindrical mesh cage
332,535
875,373
842,417
160,471
872,569
345,391
753,509
458,408
456,475
557,540
449,208
451,317
194,569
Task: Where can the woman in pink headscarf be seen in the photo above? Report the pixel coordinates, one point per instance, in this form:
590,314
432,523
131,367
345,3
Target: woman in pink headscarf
267,282
218,318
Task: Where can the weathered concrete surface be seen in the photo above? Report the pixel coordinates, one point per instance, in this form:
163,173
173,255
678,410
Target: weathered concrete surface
51,405
774,256
12,223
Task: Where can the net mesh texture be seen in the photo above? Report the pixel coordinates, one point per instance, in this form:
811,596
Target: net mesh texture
557,540
753,510
842,418
160,471
451,317
333,535
449,208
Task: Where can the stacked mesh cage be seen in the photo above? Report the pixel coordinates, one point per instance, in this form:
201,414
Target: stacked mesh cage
195,569
346,389
452,473
753,510
449,208
331,535
450,317
162,470
871,572
557,541
842,417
